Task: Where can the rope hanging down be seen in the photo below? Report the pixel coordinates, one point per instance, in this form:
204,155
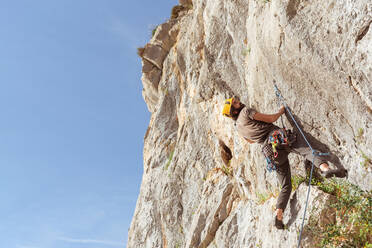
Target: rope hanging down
315,153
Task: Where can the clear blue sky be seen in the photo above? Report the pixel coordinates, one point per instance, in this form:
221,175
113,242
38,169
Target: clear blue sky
72,119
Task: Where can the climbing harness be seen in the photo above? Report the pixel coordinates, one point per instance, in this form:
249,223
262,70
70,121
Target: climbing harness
315,153
277,139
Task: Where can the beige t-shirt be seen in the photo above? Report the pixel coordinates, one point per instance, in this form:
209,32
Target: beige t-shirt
252,129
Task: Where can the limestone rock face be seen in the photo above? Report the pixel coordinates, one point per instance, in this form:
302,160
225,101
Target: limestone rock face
319,53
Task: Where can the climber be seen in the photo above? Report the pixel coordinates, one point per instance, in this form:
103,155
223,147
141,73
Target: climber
257,127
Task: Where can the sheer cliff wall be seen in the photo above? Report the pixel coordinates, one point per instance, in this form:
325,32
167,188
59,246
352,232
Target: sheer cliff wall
320,54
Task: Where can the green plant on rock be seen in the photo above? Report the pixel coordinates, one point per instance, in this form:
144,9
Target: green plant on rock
296,181
263,197
353,209
164,89
169,160
226,170
359,136
181,230
259,244
246,51
154,30
360,133
367,162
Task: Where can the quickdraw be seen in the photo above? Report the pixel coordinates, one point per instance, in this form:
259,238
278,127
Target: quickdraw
278,138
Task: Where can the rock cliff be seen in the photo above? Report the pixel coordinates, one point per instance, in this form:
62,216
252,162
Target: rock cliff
203,185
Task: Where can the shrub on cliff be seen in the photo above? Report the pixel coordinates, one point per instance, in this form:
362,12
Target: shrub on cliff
353,210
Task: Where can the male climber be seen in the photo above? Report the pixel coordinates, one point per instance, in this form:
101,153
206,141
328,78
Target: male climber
256,127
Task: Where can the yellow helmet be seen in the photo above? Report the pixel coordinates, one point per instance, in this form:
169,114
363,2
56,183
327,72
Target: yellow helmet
227,107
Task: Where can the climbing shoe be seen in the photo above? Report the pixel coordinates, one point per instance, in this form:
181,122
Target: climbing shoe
335,172
278,223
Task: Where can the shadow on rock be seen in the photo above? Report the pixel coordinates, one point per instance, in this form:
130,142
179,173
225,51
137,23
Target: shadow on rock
316,144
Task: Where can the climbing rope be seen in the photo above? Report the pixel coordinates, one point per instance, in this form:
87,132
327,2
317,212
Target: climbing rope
315,153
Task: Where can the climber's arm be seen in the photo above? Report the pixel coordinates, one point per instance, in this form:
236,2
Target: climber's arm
268,118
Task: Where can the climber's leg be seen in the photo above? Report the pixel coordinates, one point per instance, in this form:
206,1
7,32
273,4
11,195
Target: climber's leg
301,147
284,177
283,172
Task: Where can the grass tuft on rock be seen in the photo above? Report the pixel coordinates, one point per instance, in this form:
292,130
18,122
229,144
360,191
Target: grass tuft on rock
353,210
154,30
169,160
296,181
